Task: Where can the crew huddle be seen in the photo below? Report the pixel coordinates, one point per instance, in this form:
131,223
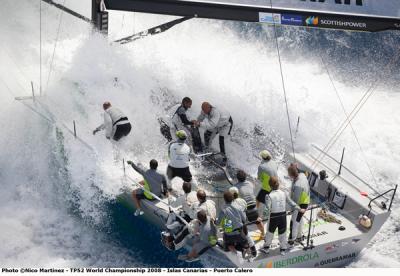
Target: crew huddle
199,213
196,216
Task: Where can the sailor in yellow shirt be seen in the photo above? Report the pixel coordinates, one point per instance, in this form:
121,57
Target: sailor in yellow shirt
266,170
300,194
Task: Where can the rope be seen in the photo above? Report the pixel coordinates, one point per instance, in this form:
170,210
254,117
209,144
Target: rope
283,85
353,113
347,117
55,46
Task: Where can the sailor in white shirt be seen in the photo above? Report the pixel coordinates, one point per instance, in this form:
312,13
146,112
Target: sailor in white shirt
179,157
215,121
116,124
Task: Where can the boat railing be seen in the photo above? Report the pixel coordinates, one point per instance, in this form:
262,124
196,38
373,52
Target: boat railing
345,168
382,195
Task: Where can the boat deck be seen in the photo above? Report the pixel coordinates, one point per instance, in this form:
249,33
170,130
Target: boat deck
322,232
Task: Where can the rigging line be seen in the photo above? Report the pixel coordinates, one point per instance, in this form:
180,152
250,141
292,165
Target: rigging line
329,144
347,117
283,85
355,111
40,47
55,46
342,128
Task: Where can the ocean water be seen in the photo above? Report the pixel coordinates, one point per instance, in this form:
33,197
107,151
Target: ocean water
58,202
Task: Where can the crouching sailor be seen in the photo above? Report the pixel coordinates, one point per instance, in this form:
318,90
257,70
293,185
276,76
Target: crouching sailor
205,238
153,182
300,194
181,223
275,209
215,121
116,124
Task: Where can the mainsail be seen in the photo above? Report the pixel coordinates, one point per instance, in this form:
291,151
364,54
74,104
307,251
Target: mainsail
356,15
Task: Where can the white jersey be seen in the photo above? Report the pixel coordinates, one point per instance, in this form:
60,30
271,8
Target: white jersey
240,204
179,155
217,118
276,202
209,207
111,119
189,202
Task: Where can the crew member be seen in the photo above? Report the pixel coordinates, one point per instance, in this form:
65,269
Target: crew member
275,210
205,204
116,124
266,170
153,182
215,121
179,119
241,205
179,157
300,194
206,237
238,203
232,221
246,191
188,201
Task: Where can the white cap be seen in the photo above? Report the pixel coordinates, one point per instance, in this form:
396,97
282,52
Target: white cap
264,154
234,190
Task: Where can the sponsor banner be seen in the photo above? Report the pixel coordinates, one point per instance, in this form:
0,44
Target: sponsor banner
272,18
336,23
290,261
292,19
346,258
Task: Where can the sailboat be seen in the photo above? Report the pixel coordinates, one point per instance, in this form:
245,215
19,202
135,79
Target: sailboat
343,218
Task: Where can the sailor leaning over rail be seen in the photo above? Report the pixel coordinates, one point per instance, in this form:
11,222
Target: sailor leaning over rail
179,157
246,191
215,121
275,210
300,194
266,170
116,124
232,221
152,182
241,205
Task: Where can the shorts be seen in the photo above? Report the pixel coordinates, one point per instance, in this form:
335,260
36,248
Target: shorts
277,220
121,131
252,214
237,239
140,195
183,173
261,196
